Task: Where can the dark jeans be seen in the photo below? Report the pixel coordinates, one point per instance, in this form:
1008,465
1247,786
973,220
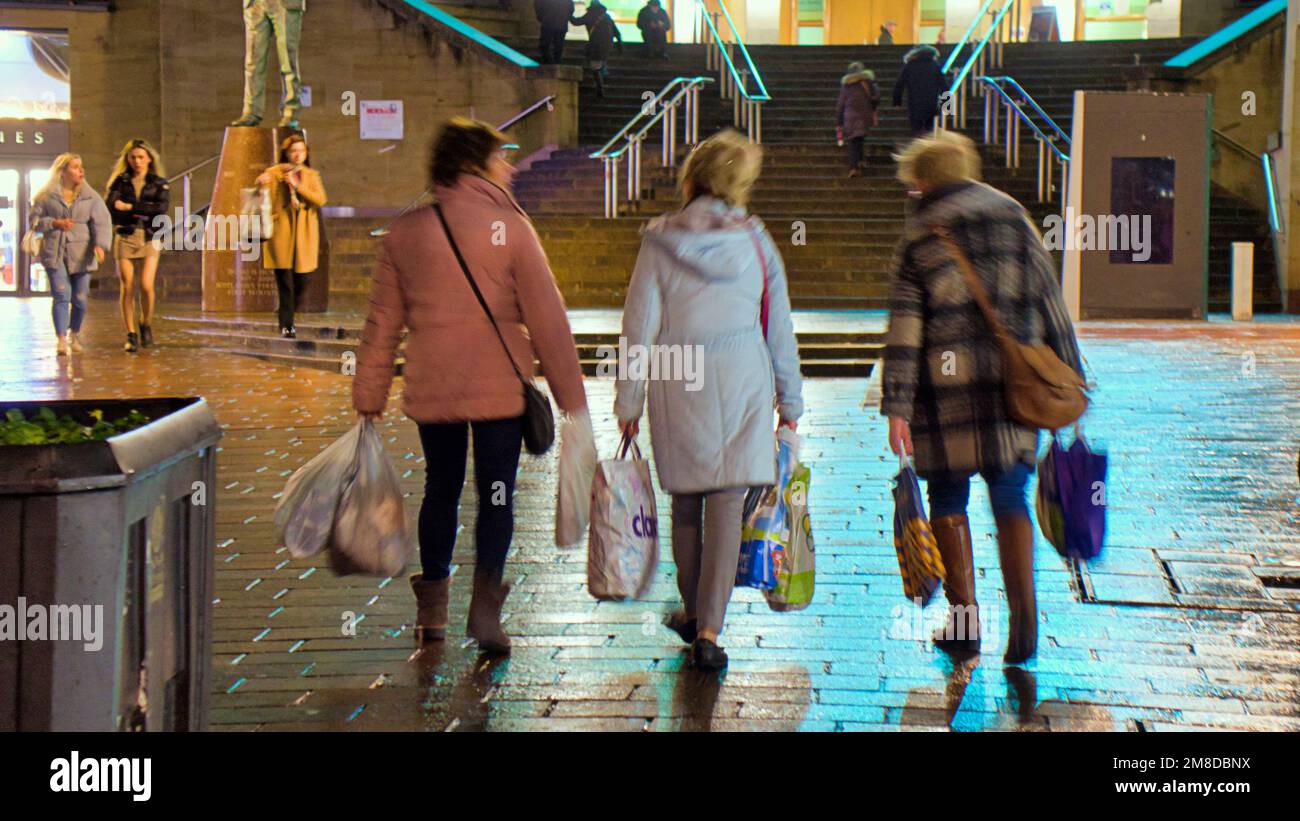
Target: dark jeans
1006,493
291,286
551,44
853,150
496,460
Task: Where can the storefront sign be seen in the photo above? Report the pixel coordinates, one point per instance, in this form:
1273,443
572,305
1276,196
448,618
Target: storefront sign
381,119
33,138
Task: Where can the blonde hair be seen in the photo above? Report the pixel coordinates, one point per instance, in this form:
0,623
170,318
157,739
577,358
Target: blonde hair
725,166
55,180
120,167
944,158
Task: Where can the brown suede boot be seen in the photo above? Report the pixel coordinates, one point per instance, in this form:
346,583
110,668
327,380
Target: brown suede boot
431,603
485,613
962,632
1016,554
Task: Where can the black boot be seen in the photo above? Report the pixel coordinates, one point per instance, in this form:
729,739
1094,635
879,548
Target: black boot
708,656
132,343
146,335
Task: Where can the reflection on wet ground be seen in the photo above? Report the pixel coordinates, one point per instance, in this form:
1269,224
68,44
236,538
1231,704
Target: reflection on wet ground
1188,620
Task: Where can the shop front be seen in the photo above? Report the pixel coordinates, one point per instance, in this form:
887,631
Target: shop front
34,129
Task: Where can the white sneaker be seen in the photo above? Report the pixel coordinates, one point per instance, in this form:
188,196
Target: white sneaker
62,349
74,342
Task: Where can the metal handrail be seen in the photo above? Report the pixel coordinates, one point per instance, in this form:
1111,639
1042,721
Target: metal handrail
1026,98
749,61
1048,152
747,113
965,38
184,177
664,110
957,91
646,110
1266,162
547,101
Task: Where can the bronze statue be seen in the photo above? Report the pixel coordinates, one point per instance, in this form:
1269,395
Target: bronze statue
264,19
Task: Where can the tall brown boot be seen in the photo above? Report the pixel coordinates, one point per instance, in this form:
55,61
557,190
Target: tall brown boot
962,632
1016,554
431,607
485,613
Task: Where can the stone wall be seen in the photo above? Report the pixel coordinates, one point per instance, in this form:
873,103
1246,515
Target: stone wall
1247,89
171,72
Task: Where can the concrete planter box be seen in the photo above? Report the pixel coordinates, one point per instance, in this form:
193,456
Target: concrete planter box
122,528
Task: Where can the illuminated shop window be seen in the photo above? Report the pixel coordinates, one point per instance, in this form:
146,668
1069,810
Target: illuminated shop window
35,68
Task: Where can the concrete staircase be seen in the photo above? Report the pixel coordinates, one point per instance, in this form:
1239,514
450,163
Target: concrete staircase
852,226
330,343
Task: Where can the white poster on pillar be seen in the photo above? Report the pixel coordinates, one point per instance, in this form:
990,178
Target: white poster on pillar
381,119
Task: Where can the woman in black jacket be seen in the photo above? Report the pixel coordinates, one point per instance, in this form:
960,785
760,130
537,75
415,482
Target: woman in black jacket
136,194
601,34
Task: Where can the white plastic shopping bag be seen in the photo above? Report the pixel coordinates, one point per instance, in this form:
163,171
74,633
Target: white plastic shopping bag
305,513
370,531
578,460
623,547
255,214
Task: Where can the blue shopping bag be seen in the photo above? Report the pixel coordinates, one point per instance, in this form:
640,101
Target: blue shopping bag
765,526
1075,482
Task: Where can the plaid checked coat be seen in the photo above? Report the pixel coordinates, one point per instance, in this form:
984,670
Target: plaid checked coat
943,367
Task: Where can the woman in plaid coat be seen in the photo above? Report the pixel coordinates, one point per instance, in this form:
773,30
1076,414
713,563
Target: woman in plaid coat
942,384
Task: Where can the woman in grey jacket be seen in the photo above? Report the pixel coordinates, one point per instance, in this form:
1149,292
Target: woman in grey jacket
707,278
76,232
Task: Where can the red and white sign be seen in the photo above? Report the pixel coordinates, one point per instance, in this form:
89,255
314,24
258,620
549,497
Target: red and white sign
381,119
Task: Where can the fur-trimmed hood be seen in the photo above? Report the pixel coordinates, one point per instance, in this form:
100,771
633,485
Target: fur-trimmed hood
923,50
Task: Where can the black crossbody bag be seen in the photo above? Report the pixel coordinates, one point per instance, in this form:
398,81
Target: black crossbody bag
538,420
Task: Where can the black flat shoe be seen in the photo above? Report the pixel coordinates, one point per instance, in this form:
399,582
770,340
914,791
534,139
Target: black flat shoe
289,333
708,656
682,626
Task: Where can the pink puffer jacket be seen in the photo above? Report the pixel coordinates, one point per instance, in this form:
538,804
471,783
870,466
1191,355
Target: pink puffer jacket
456,369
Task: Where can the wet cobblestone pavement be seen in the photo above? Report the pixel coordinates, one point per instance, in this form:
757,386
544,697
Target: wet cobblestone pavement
1190,620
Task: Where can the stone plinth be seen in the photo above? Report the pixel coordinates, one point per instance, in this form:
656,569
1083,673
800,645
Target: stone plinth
230,282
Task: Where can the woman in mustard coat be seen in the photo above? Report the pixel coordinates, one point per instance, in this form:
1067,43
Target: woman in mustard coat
293,249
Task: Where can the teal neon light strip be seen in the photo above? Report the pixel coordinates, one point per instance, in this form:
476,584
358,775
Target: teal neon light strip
1227,34
1273,219
464,29
965,38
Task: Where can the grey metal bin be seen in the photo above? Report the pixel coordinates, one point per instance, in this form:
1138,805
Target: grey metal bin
129,524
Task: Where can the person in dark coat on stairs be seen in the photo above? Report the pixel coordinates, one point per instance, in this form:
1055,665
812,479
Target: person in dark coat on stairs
654,24
554,15
601,34
856,113
924,82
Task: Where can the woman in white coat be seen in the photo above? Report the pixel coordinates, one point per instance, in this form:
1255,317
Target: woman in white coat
709,294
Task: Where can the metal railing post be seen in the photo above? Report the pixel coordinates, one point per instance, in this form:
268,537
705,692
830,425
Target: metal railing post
1042,152
988,108
1014,138
1011,117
